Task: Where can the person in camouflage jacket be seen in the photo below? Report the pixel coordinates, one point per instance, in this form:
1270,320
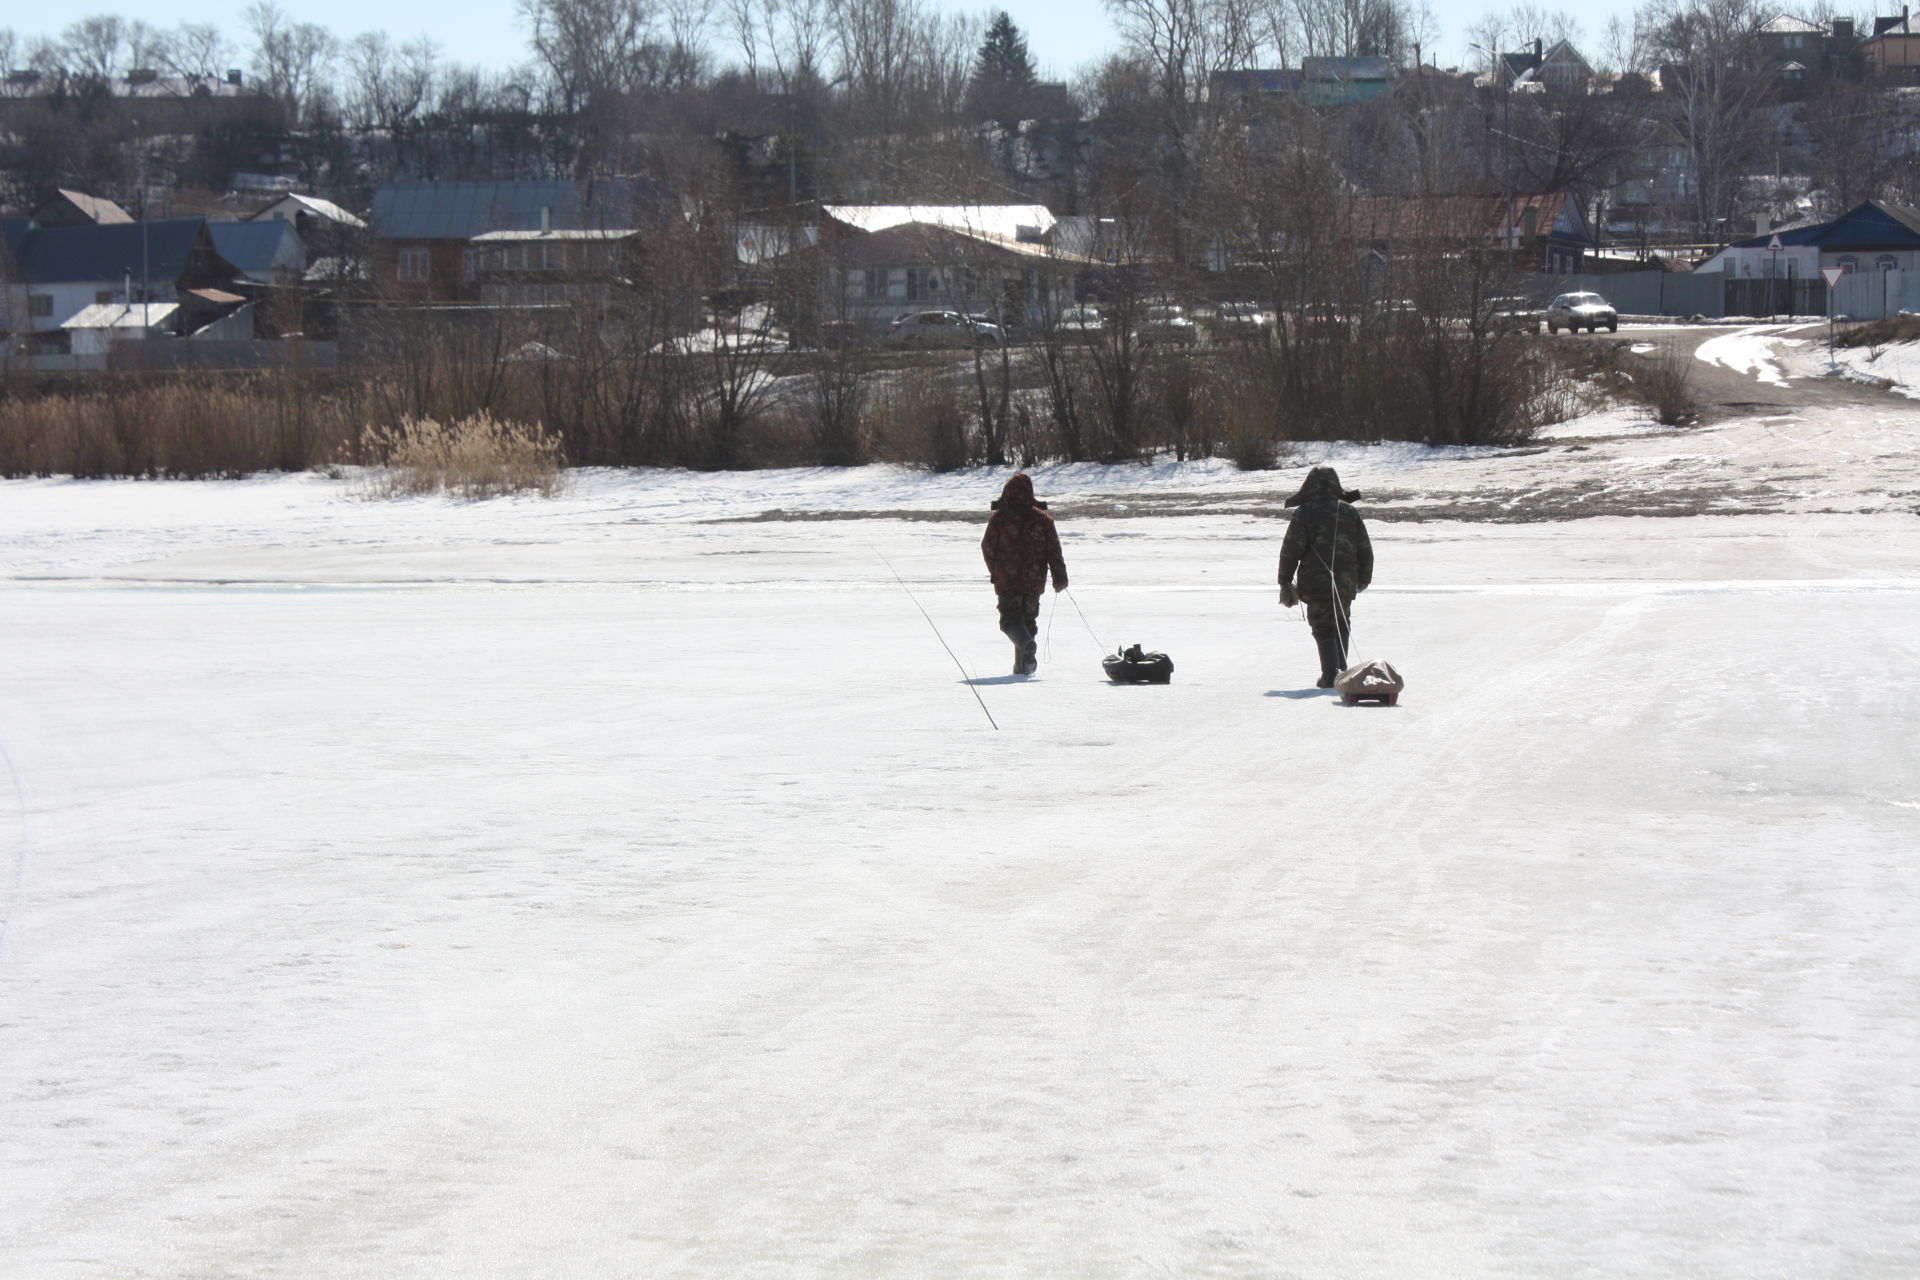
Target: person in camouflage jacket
1326,560
1020,547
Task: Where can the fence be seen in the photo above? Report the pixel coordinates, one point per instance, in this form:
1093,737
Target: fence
1875,295
1861,295
1654,293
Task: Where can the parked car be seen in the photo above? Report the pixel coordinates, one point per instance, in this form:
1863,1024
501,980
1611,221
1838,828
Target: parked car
1398,317
943,329
1240,319
844,334
1513,315
1577,311
1322,320
1167,324
1082,322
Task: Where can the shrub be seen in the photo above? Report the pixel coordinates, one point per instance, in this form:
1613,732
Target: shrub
923,422
474,457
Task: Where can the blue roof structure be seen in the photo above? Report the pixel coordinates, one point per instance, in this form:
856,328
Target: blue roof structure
252,246
156,250
1872,225
463,210
12,232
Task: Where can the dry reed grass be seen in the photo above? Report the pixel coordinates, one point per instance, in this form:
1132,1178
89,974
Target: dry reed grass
473,458
176,431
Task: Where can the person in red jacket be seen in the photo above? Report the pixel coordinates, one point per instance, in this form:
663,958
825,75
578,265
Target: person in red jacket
1020,547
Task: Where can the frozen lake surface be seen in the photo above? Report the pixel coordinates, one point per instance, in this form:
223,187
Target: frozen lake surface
588,889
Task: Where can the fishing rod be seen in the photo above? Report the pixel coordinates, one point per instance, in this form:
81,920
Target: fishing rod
971,688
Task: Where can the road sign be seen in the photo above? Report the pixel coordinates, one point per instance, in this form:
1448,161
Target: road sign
1775,243
1833,275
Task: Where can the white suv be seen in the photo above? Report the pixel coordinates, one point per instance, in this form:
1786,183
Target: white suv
1576,311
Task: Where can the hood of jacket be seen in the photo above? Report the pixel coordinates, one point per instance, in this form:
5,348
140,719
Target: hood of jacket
1017,493
1322,484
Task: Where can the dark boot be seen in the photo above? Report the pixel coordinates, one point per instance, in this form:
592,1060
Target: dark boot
1332,659
1023,647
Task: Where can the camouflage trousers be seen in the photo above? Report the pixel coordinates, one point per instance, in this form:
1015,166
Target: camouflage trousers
1331,618
1019,611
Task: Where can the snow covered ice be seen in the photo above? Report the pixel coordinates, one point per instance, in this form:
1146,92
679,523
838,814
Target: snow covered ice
627,886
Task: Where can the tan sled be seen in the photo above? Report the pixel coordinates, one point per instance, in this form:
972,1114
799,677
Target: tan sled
1374,680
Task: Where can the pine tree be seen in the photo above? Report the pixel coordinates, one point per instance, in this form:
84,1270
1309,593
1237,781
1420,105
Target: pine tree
1002,73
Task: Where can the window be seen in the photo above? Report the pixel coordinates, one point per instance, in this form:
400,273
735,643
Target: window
415,265
876,282
40,306
470,264
922,283
1886,262
1847,262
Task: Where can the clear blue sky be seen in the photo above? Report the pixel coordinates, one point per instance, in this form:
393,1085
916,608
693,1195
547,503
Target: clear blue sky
1063,34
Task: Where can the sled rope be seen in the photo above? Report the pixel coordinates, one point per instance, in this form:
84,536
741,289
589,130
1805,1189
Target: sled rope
1083,621
1051,610
971,687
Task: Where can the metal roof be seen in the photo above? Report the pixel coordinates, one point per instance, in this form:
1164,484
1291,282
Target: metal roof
122,315
256,246
462,210
1872,225
12,232
1368,67
93,252
94,208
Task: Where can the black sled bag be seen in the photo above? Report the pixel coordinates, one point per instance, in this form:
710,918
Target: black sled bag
1131,666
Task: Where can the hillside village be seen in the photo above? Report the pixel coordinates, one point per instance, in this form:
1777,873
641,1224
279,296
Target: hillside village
331,201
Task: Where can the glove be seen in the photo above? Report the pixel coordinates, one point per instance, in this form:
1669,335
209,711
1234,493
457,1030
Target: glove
1288,596
1060,582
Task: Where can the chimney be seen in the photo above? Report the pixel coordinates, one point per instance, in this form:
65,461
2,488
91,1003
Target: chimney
1843,29
233,76
1536,46
546,218
1762,224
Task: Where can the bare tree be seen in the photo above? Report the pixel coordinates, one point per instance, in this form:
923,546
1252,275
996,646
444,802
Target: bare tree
1716,79
291,60
588,47
388,85
195,50
95,48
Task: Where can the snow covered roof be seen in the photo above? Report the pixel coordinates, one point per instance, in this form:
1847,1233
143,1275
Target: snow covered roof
1000,220
498,237
314,205
123,315
1787,24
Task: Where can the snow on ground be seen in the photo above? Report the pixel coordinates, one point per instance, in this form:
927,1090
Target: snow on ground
1749,350
1897,362
591,888
1623,420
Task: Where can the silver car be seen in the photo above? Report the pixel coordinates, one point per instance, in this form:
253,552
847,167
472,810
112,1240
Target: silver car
944,329
1082,322
1576,311
1167,324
